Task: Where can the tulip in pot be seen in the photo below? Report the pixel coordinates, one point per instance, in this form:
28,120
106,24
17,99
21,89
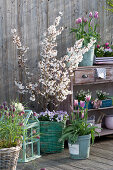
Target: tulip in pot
78,132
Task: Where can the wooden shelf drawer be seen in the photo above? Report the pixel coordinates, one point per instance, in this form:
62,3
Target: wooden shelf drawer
88,75
84,76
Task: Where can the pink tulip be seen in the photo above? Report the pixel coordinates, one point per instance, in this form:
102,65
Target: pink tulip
34,114
79,20
76,21
108,47
82,103
90,15
96,15
98,46
88,98
75,103
82,115
106,44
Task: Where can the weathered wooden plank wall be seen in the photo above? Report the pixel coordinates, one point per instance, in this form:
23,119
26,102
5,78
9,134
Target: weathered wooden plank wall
31,18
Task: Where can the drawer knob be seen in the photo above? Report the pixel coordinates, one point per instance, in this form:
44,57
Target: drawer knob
84,76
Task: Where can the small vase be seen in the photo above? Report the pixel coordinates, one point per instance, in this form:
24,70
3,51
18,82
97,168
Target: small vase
88,58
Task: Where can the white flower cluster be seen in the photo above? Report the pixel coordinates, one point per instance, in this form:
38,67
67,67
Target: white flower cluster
21,49
75,54
54,75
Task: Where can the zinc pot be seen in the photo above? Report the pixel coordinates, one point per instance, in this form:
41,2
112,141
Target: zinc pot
109,121
80,149
88,58
50,133
9,157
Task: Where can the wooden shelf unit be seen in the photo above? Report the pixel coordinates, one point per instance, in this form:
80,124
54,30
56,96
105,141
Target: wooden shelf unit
85,76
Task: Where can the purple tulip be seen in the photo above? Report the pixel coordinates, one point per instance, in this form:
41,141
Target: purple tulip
13,109
90,15
82,104
1,107
96,15
5,108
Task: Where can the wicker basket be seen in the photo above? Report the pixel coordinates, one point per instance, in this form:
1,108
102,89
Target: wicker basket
49,138
9,157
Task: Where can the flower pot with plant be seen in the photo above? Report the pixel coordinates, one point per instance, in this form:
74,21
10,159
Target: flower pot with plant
87,31
10,134
81,96
104,53
104,97
78,132
51,127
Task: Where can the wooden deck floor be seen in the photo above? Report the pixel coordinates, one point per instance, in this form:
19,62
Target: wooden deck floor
101,158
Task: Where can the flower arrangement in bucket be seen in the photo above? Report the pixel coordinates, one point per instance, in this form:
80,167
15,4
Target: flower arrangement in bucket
78,132
51,126
11,129
86,29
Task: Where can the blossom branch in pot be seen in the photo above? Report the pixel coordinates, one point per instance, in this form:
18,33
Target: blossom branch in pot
78,132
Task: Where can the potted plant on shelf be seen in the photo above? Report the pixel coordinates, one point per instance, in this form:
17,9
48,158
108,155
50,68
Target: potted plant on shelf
103,53
11,129
78,132
81,96
86,31
104,97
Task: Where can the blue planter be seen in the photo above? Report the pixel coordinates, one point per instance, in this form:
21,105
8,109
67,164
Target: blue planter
106,103
88,58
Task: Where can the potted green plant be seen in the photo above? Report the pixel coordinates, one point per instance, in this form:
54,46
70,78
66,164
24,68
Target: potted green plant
86,31
104,97
78,132
11,128
51,127
81,96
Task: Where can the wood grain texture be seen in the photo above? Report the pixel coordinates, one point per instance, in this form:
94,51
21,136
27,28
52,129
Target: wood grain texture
101,158
31,18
